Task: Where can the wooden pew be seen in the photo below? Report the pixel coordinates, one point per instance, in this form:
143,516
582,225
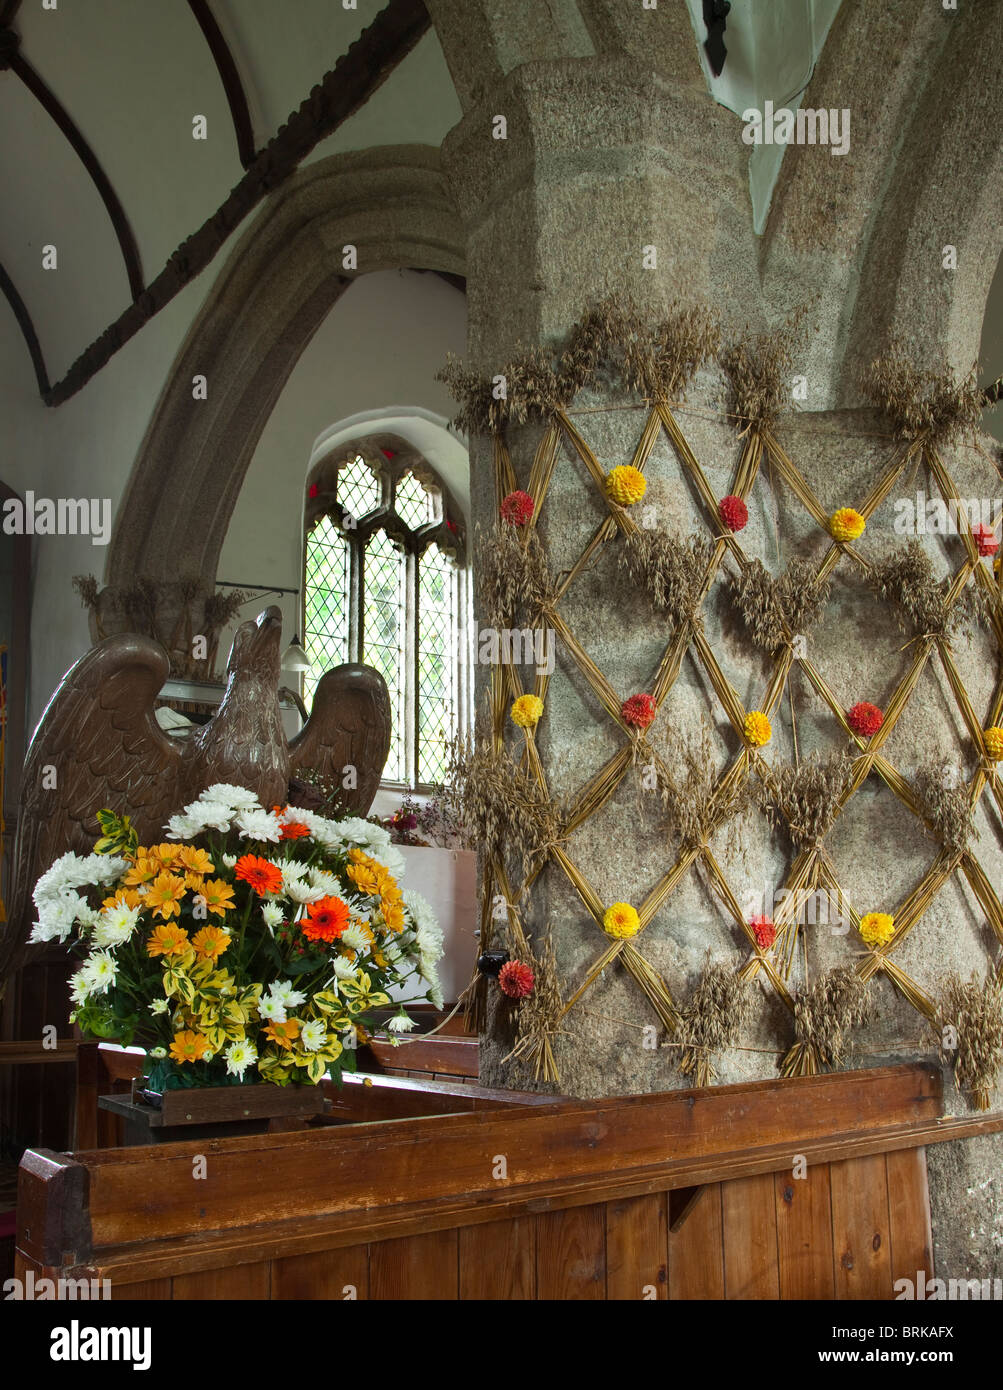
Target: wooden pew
541,1199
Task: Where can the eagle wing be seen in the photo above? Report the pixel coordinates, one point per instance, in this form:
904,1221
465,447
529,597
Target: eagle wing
97,745
349,727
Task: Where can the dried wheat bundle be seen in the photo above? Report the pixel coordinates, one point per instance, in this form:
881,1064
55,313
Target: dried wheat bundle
804,798
974,1008
532,391
513,579
948,808
906,579
713,1018
824,1013
672,571
693,801
758,368
504,808
796,598
540,1014
918,402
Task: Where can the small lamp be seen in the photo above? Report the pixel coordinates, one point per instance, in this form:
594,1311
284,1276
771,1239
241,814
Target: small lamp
294,658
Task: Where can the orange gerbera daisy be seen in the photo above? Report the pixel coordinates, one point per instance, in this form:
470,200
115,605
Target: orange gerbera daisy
189,1046
165,893
167,939
218,896
196,861
284,1034
263,876
124,897
144,870
211,942
326,919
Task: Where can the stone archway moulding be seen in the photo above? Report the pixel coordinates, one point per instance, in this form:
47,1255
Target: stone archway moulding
271,296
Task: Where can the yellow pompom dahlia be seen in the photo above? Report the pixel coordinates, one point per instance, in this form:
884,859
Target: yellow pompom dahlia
758,731
621,921
993,739
526,711
877,928
846,524
626,484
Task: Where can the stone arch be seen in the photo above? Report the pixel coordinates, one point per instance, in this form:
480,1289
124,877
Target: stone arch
278,285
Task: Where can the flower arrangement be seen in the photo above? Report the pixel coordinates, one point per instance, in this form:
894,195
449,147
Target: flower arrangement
526,711
865,719
626,484
758,730
251,944
639,711
846,524
877,928
733,513
621,921
517,508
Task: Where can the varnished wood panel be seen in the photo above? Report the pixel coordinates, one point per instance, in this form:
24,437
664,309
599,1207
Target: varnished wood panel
804,1234
498,1260
860,1244
749,1219
340,1275
415,1267
637,1248
571,1253
249,1281
909,1214
148,1289
696,1250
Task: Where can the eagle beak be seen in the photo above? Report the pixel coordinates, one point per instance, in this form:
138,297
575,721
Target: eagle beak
269,625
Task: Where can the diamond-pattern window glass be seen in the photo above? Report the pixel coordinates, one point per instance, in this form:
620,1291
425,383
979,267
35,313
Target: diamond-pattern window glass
325,634
359,489
414,503
437,656
384,634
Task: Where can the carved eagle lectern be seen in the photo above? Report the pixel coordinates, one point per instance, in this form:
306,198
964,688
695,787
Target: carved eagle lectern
99,744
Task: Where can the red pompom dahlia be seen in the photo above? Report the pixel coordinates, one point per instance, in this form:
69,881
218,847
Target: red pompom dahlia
865,719
733,512
517,508
985,539
516,980
639,710
764,931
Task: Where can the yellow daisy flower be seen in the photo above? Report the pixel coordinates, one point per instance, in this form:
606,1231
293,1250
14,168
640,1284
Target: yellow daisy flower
189,1046
165,893
621,920
218,896
211,942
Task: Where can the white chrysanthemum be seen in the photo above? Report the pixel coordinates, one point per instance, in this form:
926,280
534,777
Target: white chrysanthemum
272,914
81,987
115,925
259,825
326,832
329,884
103,869
435,992
343,968
101,969
229,860
393,952
158,1052
272,1009
56,916
284,991
419,909
182,827
239,1056
354,937
235,798
302,891
400,1023
75,871
158,1006
313,1035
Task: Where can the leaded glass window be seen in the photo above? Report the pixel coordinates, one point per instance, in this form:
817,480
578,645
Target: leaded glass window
384,583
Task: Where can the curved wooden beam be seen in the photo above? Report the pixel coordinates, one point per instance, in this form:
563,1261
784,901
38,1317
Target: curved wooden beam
340,93
229,76
27,328
53,107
